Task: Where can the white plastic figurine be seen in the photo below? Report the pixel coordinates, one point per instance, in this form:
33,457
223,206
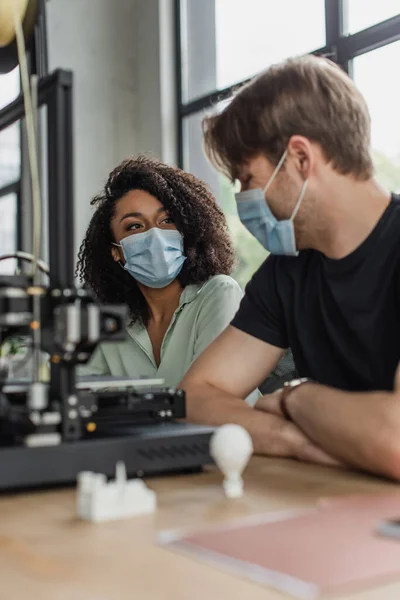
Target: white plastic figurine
98,500
231,448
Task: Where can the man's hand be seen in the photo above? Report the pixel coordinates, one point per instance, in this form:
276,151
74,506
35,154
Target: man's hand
304,448
360,428
270,403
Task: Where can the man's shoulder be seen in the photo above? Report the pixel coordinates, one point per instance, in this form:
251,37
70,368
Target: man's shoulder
287,263
386,233
394,213
281,267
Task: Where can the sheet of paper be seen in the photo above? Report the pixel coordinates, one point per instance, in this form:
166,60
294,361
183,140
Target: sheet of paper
325,551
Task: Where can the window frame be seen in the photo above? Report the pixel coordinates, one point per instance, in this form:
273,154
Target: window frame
339,47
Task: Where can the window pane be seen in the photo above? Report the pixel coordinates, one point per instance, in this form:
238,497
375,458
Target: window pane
226,41
8,231
360,14
249,253
10,157
374,78
9,87
251,36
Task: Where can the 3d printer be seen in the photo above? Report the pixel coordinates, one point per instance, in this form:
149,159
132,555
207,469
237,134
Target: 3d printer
51,431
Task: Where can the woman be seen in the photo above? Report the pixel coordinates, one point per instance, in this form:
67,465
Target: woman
159,243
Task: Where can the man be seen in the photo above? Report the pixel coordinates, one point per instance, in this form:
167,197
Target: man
297,138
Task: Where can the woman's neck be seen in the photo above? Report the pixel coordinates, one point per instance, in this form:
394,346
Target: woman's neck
162,302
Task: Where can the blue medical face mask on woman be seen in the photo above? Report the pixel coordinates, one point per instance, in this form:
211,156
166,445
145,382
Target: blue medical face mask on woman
276,236
155,257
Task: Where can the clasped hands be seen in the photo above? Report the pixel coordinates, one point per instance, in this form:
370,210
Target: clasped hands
300,445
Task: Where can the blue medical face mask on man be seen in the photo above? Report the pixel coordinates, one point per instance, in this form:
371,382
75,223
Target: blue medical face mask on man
276,236
155,257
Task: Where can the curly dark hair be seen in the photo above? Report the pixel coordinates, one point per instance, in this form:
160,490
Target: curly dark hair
188,201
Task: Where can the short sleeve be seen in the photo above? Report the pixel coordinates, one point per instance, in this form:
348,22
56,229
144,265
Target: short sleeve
222,296
261,313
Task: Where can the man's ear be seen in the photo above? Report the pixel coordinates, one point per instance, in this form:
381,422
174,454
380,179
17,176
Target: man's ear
397,379
300,149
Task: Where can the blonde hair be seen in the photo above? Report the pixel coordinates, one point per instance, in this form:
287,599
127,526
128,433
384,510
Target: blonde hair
308,96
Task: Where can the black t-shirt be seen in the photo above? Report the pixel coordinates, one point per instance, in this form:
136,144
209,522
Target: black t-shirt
340,317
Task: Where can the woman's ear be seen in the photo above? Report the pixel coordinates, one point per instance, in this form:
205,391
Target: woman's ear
115,253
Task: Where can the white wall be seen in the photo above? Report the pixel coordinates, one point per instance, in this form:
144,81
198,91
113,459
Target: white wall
122,103
156,98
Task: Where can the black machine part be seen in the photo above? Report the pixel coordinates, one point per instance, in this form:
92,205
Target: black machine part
145,451
71,322
87,415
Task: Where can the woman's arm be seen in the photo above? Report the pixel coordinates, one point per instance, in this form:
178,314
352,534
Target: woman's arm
97,365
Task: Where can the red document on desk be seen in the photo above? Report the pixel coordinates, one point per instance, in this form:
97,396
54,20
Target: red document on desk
322,552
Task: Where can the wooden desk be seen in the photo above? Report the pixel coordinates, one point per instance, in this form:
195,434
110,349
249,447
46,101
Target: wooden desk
46,554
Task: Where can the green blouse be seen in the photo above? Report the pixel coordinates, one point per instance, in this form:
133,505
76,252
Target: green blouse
204,311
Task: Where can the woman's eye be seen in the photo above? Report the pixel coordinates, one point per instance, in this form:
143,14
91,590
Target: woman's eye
133,226
168,220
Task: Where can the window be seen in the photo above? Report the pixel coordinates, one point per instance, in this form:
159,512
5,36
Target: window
9,87
246,45
8,230
10,172
224,42
381,91
360,14
10,155
10,143
15,185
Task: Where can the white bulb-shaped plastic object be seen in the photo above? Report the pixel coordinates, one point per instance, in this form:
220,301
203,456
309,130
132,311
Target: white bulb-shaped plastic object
231,448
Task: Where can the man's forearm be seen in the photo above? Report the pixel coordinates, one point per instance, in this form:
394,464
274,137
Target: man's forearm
207,405
271,434
361,429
